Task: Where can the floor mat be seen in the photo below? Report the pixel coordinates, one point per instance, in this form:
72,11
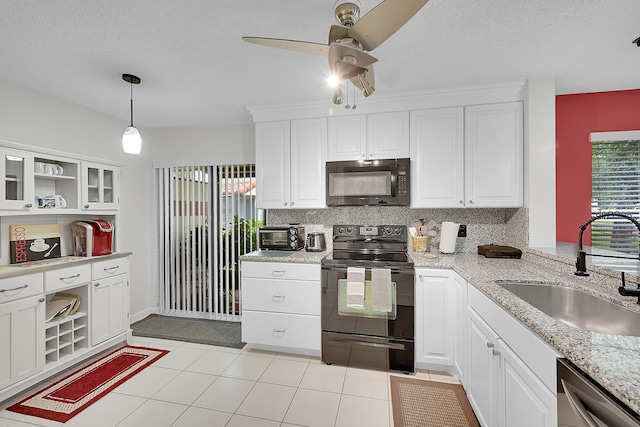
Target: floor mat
426,403
202,331
76,392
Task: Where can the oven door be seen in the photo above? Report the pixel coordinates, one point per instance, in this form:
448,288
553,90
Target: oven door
368,338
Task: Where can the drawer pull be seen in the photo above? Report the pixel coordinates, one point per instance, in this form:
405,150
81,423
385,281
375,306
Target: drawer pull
111,269
278,272
15,289
279,297
279,331
75,276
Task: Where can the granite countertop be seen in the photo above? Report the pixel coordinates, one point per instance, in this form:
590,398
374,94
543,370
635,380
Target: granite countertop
12,270
611,360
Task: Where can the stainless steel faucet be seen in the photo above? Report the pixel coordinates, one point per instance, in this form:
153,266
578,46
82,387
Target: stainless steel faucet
581,262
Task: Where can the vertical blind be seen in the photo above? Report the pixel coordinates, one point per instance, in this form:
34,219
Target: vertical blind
615,187
207,219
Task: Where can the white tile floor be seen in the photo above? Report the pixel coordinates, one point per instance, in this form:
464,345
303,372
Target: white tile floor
198,385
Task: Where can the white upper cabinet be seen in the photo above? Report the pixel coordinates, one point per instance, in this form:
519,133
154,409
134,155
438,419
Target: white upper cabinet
347,138
308,158
16,170
100,186
467,157
437,157
290,163
373,136
273,164
388,135
494,155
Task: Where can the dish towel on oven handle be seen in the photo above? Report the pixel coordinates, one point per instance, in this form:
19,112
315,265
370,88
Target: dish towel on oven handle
355,287
381,283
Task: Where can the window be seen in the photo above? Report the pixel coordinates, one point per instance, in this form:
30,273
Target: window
615,187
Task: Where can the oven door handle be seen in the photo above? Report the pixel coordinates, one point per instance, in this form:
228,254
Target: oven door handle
343,267
391,346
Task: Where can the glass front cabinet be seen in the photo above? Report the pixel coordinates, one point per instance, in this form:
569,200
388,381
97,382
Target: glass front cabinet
16,170
100,186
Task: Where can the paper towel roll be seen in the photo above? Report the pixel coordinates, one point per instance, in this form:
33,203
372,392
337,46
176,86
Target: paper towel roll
448,236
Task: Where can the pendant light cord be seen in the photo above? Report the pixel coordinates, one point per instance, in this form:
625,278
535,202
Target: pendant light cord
131,85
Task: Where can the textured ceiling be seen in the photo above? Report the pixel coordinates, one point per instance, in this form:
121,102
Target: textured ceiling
196,70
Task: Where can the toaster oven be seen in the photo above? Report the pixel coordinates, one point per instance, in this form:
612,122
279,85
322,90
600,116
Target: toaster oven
281,237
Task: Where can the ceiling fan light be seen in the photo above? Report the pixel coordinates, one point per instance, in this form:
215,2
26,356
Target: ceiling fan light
337,95
131,140
367,88
334,80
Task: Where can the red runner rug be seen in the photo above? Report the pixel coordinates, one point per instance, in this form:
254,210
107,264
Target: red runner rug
76,392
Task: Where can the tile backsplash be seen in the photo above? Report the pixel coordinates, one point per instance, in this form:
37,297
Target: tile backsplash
484,226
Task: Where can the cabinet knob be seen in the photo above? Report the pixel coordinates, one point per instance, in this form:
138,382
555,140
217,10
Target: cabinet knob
496,353
28,205
292,203
285,203
96,284
461,202
490,345
86,206
42,300
470,202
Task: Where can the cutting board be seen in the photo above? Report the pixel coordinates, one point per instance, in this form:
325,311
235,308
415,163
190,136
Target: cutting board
498,251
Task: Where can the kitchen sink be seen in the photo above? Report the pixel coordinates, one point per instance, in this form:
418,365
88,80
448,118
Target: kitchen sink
577,308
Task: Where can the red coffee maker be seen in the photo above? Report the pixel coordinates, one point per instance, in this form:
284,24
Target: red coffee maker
92,237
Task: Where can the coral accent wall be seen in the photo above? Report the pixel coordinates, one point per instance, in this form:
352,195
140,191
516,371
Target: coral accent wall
576,117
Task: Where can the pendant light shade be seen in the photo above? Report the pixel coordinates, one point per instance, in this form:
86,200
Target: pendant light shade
131,140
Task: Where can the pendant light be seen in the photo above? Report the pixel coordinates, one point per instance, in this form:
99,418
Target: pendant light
131,141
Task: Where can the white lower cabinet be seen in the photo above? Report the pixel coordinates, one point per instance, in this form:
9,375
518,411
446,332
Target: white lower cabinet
22,338
109,307
511,373
434,318
281,305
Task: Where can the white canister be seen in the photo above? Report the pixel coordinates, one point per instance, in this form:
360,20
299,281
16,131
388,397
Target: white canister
448,236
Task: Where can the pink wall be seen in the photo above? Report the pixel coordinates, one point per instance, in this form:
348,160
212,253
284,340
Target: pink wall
576,117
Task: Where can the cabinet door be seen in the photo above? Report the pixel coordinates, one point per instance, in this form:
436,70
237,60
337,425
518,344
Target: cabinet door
109,307
493,155
22,337
308,158
100,187
273,164
16,173
347,138
484,364
388,135
525,400
461,328
434,317
437,156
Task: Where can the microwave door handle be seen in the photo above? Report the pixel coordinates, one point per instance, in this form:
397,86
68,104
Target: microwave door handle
577,406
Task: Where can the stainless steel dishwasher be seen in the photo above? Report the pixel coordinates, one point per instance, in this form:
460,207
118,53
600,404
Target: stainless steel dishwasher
583,403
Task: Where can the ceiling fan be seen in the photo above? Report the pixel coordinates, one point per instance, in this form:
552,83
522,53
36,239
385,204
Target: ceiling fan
349,42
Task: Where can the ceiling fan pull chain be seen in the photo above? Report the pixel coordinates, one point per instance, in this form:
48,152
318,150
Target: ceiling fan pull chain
347,106
354,97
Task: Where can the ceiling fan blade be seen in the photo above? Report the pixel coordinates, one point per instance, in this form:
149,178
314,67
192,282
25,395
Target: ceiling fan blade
383,20
298,46
338,32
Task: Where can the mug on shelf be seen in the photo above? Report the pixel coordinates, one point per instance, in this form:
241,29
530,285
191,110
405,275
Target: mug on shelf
56,169
51,202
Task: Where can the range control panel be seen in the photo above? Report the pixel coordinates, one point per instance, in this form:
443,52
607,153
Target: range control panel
370,231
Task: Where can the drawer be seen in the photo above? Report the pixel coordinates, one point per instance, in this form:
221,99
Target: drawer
283,296
13,288
109,267
282,330
280,270
63,278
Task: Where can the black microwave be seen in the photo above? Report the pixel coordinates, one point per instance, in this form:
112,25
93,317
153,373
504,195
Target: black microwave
281,237
369,183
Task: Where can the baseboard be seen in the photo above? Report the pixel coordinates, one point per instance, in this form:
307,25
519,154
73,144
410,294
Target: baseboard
142,314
